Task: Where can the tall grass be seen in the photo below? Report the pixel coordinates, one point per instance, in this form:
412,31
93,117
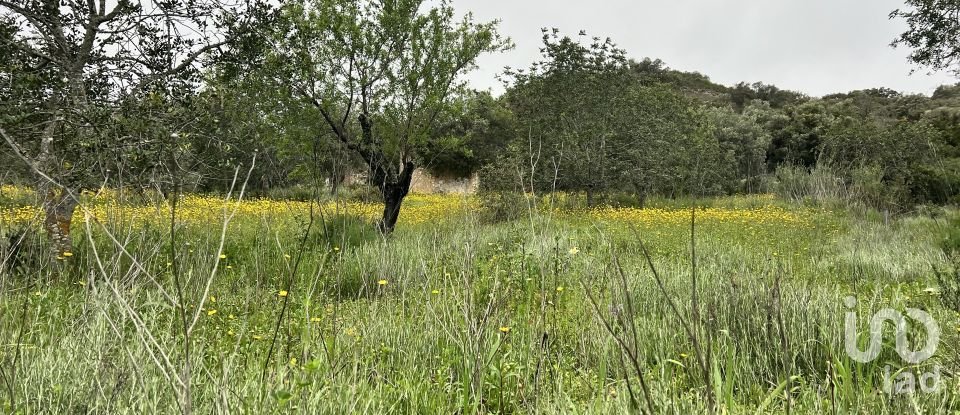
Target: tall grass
541,314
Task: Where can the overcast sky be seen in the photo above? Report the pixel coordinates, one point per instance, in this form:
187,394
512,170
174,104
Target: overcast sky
813,46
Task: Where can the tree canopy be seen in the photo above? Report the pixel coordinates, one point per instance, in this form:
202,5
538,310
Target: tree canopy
380,74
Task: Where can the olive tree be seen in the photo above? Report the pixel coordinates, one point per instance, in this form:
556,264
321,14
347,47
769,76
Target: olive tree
570,108
587,123
75,64
380,73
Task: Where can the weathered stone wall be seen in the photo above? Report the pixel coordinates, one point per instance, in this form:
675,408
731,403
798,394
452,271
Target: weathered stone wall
424,182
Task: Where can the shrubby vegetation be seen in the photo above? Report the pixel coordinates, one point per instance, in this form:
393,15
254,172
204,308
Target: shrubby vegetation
586,118
295,314
189,190
675,137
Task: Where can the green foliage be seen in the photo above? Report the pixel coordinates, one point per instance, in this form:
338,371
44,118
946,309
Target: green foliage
796,134
655,71
933,32
567,107
743,144
743,94
367,63
937,183
361,192
380,74
887,163
948,276
800,184
429,339
496,207
75,73
246,117
473,134
588,123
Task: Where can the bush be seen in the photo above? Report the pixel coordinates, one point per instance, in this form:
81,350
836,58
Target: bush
363,193
869,188
343,231
621,199
498,207
860,187
298,192
800,184
499,176
21,250
938,184
951,240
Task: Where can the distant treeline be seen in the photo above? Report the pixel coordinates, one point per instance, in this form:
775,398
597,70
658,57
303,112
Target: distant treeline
587,119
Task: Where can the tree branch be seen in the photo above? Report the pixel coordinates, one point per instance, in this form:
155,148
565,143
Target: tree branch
179,68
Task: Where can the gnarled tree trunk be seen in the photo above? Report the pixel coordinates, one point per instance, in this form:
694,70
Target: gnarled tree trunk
394,191
58,208
58,203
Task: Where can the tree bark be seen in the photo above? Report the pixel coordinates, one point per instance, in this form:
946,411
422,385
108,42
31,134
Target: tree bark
58,203
58,209
393,194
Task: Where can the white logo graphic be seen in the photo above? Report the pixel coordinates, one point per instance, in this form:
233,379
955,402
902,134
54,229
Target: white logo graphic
905,380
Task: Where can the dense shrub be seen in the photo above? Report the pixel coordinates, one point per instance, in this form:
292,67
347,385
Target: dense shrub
361,192
801,184
503,206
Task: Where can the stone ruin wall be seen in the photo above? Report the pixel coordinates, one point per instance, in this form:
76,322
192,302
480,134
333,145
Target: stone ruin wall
424,182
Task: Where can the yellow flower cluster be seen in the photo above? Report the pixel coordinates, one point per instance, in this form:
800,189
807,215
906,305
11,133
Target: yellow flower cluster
19,215
16,192
420,208
417,208
756,216
198,209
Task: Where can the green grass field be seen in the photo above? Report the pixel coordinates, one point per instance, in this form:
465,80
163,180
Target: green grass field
299,308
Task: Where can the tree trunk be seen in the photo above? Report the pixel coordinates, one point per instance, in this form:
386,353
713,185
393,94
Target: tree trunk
392,200
393,194
336,179
58,208
58,203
